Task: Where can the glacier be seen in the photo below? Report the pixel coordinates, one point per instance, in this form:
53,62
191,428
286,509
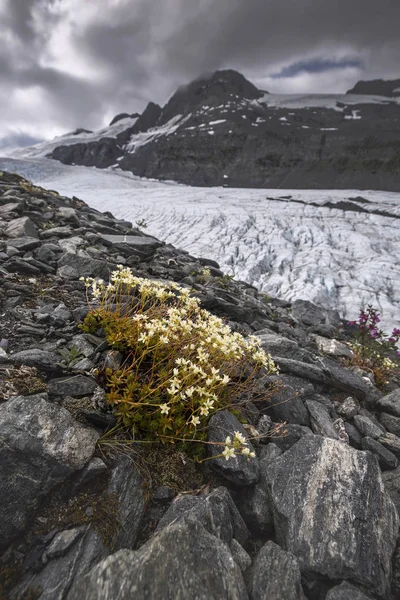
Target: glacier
337,248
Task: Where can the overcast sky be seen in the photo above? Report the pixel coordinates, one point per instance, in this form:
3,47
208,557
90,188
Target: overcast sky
76,63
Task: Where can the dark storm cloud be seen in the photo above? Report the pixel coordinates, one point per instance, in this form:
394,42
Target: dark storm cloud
74,62
315,66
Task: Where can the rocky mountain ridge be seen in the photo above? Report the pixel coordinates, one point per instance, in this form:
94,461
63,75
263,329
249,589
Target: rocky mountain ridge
221,130
314,516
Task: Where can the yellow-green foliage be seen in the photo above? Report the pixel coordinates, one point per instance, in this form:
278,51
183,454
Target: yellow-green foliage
182,363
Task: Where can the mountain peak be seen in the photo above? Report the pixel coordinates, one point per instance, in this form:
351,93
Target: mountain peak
212,89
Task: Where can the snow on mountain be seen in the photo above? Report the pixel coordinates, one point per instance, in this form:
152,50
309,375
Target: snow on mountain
68,139
338,248
333,101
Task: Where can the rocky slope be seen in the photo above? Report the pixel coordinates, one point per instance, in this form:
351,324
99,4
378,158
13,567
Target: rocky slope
314,516
222,130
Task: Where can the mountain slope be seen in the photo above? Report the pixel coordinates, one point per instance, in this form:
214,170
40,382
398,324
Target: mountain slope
221,130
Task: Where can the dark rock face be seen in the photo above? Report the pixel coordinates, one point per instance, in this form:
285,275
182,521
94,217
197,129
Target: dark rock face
183,561
377,87
329,538
220,130
121,116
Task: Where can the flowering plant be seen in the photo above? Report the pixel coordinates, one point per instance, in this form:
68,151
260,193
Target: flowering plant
373,348
180,363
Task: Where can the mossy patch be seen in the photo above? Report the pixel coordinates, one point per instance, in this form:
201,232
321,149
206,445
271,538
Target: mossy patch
168,465
101,511
23,381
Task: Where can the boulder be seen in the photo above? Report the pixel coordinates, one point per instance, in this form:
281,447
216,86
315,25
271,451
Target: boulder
346,591
286,405
238,469
390,403
311,315
86,266
40,446
73,552
321,422
293,433
183,561
21,227
216,512
333,347
386,458
317,494
368,428
390,423
40,359
76,386
274,575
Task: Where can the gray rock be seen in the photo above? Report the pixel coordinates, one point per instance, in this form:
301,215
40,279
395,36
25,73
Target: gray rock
390,403
18,265
40,446
343,379
113,359
390,423
57,232
368,428
332,347
238,469
86,267
391,442
340,429
320,420
21,227
252,502
328,372
127,484
287,406
85,551
67,272
82,345
76,386
83,365
93,470
317,493
386,458
24,243
270,452
62,541
183,561
264,426
68,214
277,345
240,556
216,512
346,591
275,575
391,479
309,314
354,435
40,359
348,408
293,434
